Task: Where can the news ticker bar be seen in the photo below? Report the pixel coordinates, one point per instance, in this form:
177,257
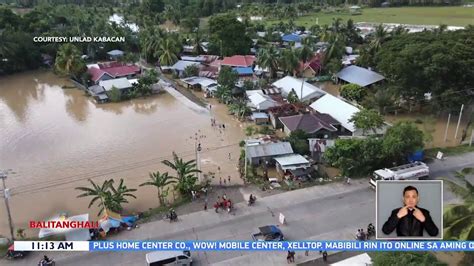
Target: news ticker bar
244,245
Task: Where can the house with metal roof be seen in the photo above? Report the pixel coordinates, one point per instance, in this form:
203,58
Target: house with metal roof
291,38
115,54
259,101
238,61
292,162
316,124
342,111
243,71
304,90
359,75
257,153
121,84
179,66
112,70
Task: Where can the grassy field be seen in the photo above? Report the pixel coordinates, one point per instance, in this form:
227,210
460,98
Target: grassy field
452,16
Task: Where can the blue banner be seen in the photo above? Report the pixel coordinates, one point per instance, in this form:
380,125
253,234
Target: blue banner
282,245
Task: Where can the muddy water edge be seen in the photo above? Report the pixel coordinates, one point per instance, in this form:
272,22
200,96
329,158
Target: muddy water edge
55,139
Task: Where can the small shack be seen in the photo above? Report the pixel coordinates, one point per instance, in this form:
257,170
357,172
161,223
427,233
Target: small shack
257,153
291,162
115,54
260,118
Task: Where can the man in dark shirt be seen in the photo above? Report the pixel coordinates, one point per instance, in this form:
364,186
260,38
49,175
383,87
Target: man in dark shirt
410,220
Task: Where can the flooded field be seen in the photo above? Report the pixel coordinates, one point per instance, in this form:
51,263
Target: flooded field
54,139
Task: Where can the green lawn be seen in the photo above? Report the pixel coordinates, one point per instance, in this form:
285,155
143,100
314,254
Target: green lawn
452,16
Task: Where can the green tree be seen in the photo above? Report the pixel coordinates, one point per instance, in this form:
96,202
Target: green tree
99,193
355,157
69,61
150,41
228,36
168,51
292,97
353,92
239,109
227,77
268,58
160,181
186,172
115,95
289,61
367,119
299,141
143,86
120,194
305,52
459,218
197,43
401,140
250,130
405,258
380,36
191,71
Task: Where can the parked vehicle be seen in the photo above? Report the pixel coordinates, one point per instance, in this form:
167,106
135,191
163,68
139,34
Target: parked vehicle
268,233
169,258
416,170
14,254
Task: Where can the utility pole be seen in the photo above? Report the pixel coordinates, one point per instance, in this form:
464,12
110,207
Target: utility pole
447,126
245,164
6,193
197,149
472,137
302,84
459,122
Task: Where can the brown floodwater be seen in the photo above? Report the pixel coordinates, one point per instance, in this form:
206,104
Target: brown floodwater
54,139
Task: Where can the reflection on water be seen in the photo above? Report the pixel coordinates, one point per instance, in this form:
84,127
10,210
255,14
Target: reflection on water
55,139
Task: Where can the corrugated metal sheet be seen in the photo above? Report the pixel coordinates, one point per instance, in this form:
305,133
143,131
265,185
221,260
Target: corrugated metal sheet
359,75
269,149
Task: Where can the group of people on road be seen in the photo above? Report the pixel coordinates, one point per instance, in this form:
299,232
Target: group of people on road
290,257
224,203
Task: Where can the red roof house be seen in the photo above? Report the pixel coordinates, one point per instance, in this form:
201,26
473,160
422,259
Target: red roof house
312,67
111,70
238,61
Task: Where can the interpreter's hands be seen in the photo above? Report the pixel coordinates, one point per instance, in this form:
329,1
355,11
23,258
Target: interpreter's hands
419,215
402,212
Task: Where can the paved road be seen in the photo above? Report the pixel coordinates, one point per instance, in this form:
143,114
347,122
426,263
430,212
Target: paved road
320,212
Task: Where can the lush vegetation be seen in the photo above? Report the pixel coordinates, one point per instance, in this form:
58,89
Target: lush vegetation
422,15
107,195
459,218
428,62
358,157
111,197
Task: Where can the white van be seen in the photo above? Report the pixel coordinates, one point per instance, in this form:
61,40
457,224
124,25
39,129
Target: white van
182,258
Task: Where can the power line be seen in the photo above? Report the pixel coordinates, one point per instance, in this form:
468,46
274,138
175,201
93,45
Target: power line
67,180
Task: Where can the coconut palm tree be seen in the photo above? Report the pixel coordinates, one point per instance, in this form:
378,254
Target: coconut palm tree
168,52
150,40
305,52
99,193
160,181
185,173
268,58
69,61
198,49
380,37
289,61
239,109
459,218
335,49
